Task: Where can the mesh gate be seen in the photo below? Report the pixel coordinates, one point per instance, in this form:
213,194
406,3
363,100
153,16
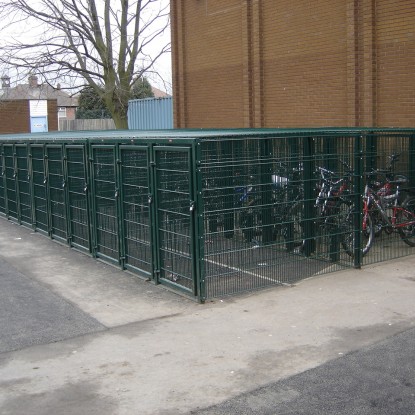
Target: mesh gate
9,173
174,217
23,185
105,197
77,197
56,188
39,177
136,209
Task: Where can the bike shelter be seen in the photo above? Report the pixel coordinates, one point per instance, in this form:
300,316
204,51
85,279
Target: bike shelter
205,212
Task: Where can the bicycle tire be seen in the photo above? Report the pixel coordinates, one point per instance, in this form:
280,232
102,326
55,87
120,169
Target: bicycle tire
347,229
407,233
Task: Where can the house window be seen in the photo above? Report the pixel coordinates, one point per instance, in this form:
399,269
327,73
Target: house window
62,112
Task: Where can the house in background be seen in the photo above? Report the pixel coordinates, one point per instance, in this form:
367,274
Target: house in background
293,63
158,93
34,91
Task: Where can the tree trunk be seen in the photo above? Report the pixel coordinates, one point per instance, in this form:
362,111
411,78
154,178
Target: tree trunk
120,121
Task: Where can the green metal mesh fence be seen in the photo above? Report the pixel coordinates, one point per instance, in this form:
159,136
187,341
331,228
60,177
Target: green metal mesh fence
218,213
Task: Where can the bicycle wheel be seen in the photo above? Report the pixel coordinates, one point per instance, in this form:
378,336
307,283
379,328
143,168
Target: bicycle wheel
347,230
407,232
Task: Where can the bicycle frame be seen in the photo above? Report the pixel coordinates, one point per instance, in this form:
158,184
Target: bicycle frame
373,202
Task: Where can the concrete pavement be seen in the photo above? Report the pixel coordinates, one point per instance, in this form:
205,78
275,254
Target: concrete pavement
120,345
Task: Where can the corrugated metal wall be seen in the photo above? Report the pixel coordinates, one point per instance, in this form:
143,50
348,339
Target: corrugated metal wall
150,114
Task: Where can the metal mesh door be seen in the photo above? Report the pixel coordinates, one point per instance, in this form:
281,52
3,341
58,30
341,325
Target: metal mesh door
23,185
174,215
9,173
135,206
56,192
40,219
77,195
2,199
105,202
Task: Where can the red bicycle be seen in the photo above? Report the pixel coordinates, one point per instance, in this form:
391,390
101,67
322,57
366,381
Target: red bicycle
383,211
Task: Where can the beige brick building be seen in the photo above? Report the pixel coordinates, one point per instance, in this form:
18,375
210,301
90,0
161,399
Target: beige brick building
293,63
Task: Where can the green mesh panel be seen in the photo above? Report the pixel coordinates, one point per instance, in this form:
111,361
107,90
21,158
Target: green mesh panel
136,212
173,202
78,203
56,192
10,182
2,198
25,201
39,189
105,203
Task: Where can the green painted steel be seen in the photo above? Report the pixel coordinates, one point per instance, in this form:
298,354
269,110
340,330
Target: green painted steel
56,192
2,180
39,189
135,210
217,212
77,197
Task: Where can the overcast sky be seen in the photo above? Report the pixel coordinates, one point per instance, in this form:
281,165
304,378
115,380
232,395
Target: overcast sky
23,31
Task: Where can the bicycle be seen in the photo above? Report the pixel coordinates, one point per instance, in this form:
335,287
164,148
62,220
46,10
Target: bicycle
384,209
284,208
333,203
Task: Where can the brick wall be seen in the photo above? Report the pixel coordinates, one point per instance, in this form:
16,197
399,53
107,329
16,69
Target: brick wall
15,116
293,63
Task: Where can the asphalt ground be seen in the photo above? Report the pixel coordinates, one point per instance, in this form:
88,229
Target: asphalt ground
31,314
377,380
78,336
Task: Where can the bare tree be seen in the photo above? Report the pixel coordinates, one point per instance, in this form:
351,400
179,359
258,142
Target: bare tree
106,44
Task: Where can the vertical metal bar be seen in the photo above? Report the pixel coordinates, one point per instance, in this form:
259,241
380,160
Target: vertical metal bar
228,191
93,210
266,189
358,199
16,184
47,185
87,191
308,165
153,214
332,163
119,206
198,219
31,184
371,146
2,181
66,196
411,162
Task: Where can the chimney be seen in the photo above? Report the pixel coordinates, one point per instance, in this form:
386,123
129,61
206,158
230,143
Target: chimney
33,81
5,82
